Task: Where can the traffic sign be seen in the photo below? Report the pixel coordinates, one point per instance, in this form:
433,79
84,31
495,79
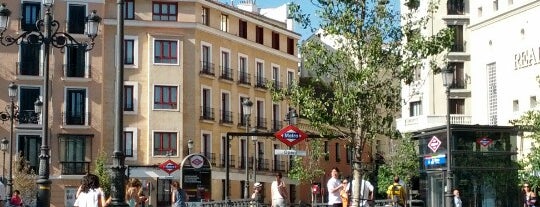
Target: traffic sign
289,152
484,141
434,144
169,166
290,135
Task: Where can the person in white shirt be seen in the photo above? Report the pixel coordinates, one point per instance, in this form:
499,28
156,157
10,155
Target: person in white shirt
279,192
334,187
366,192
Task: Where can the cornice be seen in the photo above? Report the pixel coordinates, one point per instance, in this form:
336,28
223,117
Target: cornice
505,15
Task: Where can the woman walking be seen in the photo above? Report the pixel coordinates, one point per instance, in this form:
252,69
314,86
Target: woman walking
90,195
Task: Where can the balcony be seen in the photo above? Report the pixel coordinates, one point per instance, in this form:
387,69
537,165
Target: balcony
244,78
207,68
416,123
226,117
226,73
75,119
455,7
207,113
260,82
75,168
261,123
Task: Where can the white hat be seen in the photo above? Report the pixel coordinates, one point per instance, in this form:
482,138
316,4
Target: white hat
257,184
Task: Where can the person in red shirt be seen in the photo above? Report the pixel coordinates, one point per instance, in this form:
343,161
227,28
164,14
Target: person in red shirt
16,199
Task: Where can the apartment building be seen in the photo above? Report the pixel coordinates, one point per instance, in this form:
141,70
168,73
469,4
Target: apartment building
189,65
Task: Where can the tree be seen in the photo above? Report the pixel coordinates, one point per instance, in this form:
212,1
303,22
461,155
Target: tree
24,180
368,58
530,166
103,173
307,170
402,160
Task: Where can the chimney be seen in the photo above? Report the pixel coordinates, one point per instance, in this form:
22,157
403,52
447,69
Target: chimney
248,5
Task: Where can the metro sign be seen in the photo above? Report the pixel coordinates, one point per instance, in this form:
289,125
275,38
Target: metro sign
169,166
484,141
290,135
434,144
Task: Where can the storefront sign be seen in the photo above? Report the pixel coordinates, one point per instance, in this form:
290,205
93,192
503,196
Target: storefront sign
435,161
527,58
197,178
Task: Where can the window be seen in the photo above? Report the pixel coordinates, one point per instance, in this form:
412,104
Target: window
129,9
165,144
260,75
207,112
128,98
275,77
261,120
30,15
163,11
76,18
290,46
326,148
458,38
224,23
515,105
290,78
28,96
205,16
29,59
243,74
479,11
242,28
415,108
459,75
533,102
455,7
457,106
73,152
30,146
276,118
226,114
491,70
165,97
207,145
128,142
166,51
75,113
259,35
129,58
495,5
275,40
337,153
226,72
75,61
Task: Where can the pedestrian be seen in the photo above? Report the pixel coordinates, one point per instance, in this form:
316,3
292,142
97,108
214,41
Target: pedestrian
133,198
344,193
396,193
366,193
529,197
334,187
178,195
457,198
279,191
90,193
16,199
257,194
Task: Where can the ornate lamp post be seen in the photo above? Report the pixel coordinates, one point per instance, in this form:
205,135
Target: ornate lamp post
448,77
48,35
189,146
4,147
246,108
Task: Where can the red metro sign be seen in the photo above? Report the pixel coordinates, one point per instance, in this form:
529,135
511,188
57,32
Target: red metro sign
290,135
169,166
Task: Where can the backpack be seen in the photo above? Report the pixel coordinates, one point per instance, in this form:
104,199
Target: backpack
396,194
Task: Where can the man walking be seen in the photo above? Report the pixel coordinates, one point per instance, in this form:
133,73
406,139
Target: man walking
396,193
334,186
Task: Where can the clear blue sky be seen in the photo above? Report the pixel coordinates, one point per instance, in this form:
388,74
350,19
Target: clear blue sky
306,6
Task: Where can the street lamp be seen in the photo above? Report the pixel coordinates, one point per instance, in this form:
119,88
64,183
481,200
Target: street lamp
48,35
10,114
246,108
189,146
4,147
448,77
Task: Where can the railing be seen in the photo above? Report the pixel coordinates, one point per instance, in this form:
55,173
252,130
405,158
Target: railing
75,168
207,68
207,113
79,119
414,123
25,68
251,203
28,117
244,78
260,82
276,125
226,73
226,117
261,123
77,71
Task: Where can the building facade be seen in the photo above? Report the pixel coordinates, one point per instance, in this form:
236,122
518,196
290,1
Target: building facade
188,67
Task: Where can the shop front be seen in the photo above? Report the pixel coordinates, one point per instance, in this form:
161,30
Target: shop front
484,167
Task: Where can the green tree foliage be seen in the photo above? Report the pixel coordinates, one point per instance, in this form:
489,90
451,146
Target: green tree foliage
24,179
369,56
530,166
103,173
307,169
401,161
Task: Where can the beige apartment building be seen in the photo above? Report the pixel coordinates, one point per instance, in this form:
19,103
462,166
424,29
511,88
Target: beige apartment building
188,67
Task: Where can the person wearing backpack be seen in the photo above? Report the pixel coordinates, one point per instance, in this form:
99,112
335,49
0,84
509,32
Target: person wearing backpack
179,197
396,193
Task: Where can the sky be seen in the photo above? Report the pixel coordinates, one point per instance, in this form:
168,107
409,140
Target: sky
306,6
